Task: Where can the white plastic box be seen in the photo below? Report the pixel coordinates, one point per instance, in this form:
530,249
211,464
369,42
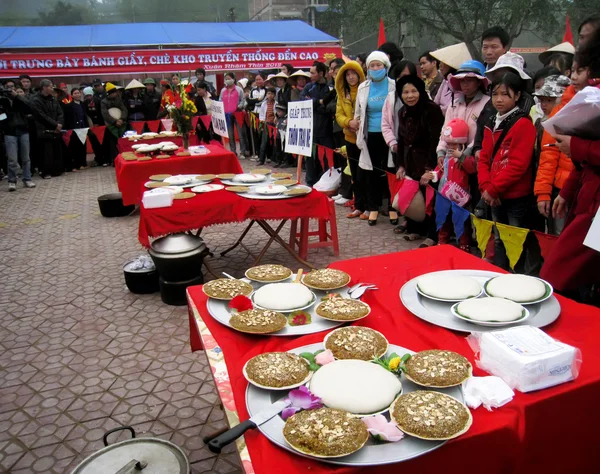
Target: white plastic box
157,198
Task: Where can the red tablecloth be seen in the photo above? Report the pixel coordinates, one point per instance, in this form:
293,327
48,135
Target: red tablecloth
131,175
124,144
222,207
549,431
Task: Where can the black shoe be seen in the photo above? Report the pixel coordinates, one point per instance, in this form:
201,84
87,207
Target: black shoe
394,221
372,222
276,165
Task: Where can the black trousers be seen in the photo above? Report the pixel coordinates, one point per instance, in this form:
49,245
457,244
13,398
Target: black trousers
314,170
96,147
374,182
77,152
51,159
110,146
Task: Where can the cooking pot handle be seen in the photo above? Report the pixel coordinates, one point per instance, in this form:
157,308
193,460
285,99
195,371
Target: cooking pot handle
120,428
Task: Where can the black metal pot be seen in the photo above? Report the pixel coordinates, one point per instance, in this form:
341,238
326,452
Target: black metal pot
173,293
178,257
111,205
141,282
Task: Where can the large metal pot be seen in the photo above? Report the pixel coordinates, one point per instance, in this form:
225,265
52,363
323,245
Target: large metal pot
140,281
174,293
136,455
178,257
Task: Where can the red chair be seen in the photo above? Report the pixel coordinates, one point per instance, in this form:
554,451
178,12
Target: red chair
326,239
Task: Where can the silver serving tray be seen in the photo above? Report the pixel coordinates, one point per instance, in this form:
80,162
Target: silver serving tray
371,454
438,312
219,311
251,195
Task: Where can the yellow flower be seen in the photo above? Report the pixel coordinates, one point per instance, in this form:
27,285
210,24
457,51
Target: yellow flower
394,363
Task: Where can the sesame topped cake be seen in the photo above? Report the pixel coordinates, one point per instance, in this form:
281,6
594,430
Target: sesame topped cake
268,273
356,342
258,321
325,432
436,368
326,279
277,370
430,415
226,288
337,308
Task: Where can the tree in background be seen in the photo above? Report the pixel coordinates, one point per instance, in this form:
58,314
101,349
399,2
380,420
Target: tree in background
65,13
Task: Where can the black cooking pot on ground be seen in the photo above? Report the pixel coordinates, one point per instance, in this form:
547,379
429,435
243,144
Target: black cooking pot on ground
173,292
141,281
111,205
178,257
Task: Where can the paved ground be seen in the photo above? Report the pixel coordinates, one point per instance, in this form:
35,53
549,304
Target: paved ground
81,355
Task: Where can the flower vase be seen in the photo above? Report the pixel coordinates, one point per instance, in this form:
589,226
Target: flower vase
185,137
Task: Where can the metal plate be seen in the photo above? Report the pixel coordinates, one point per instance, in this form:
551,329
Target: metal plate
251,195
233,182
219,311
438,313
371,454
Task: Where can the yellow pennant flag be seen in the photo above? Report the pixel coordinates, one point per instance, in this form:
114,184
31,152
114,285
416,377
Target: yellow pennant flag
513,239
483,232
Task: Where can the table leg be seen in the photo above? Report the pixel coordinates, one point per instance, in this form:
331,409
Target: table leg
239,241
269,230
266,247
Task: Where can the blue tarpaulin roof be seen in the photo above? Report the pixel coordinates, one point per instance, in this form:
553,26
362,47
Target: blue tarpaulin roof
161,34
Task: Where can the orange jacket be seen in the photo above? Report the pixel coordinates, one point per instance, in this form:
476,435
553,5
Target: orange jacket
554,167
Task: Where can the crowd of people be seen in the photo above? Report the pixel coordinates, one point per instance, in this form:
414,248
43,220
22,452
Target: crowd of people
472,130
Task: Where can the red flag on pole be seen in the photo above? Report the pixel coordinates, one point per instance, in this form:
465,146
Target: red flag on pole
381,36
568,33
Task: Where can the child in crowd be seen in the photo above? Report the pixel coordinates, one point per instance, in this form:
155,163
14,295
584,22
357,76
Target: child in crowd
504,168
266,117
453,177
279,157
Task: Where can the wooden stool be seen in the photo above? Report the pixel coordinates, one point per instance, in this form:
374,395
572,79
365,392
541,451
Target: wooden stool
301,239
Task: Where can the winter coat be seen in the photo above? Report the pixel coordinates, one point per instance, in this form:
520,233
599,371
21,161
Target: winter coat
151,104
113,100
417,139
508,174
74,116
47,112
225,93
135,105
93,111
360,112
255,99
389,118
467,112
344,110
554,166
284,95
435,85
16,110
322,119
443,98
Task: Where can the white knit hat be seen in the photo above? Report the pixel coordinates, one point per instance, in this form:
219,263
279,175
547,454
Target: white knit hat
379,56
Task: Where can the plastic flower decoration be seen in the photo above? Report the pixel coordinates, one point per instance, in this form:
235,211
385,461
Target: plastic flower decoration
181,110
299,318
240,303
383,430
301,399
394,363
318,359
324,358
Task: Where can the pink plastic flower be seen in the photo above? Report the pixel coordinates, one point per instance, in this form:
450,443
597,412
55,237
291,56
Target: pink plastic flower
241,303
301,399
383,430
324,358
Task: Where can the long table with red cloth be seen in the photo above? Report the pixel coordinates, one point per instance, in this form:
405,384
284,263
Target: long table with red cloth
131,175
548,431
223,207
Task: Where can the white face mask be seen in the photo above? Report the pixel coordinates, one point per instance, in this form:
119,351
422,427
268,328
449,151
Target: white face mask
229,82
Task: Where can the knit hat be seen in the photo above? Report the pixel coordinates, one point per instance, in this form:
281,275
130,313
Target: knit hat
512,61
149,80
565,48
88,91
554,86
470,68
281,106
457,131
378,56
243,82
109,86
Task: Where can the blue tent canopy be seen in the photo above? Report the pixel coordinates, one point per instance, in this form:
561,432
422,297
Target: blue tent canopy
161,34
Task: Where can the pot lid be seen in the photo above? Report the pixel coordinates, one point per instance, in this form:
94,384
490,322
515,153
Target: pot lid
159,457
176,243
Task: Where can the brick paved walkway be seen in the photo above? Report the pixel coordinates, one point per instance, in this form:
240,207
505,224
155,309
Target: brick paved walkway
81,355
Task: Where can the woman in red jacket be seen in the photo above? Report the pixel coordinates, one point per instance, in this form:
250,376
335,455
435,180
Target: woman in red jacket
504,168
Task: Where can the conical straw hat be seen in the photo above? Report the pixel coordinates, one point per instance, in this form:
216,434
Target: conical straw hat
135,84
453,55
565,47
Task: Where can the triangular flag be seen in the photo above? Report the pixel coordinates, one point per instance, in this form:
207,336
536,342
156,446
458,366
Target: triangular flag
483,232
240,117
99,132
67,137
429,195
153,125
442,208
546,242
138,126
321,155
167,124
81,134
381,35
513,239
568,36
459,217
329,155
206,120
195,119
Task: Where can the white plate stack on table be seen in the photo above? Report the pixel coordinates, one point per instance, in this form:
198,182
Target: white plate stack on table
475,300
319,303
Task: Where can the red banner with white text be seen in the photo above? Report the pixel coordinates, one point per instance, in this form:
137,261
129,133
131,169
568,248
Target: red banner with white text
148,61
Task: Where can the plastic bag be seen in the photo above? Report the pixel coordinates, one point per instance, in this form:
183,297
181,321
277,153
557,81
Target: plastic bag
580,117
141,262
330,181
525,357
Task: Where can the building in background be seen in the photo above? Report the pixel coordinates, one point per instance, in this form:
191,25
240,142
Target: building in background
267,10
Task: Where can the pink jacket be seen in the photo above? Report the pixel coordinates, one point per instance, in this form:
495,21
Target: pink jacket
443,97
468,113
389,118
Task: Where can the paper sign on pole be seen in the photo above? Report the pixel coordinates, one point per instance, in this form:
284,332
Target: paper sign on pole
592,239
219,122
299,134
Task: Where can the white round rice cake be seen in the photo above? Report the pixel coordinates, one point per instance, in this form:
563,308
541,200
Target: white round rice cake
448,286
282,296
356,386
490,309
519,288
